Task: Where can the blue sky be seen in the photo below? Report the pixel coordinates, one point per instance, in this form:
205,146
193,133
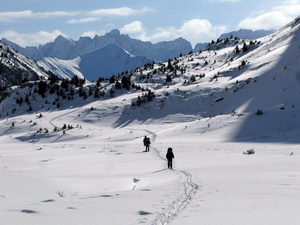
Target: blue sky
33,22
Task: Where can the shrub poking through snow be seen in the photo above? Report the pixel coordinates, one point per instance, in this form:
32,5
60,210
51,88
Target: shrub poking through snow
249,152
242,65
61,194
259,112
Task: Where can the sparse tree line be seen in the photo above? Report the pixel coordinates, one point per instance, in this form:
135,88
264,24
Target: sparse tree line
143,99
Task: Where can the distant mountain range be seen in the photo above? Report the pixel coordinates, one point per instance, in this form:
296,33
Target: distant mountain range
104,62
111,53
246,34
242,34
64,48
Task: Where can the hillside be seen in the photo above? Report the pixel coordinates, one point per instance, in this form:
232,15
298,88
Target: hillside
232,75
15,68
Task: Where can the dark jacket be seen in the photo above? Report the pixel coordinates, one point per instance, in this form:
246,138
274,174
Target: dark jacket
145,141
170,155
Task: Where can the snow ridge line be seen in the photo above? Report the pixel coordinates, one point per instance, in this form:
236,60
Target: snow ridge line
178,205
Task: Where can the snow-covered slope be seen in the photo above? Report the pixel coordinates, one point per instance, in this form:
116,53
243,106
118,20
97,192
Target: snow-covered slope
104,62
14,68
109,60
64,48
76,157
62,68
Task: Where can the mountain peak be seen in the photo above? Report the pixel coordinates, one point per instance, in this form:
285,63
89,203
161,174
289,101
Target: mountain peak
182,40
61,38
114,32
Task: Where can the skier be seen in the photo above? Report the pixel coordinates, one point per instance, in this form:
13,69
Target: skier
146,142
170,157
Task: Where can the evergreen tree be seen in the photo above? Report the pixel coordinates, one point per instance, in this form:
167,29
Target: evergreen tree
112,79
65,84
168,78
126,82
75,81
118,85
245,47
139,101
193,78
90,91
170,66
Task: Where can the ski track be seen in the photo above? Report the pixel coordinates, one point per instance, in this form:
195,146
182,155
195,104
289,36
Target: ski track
62,115
179,204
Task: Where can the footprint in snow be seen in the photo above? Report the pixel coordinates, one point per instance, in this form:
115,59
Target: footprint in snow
46,160
48,200
146,190
135,180
28,211
106,196
144,213
99,196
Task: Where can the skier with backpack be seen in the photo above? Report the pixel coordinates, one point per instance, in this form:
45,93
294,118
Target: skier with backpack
170,157
147,143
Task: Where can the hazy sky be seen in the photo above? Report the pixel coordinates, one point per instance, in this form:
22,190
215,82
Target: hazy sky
33,22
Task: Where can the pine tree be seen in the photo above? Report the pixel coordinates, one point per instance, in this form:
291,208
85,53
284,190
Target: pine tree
65,84
112,79
193,79
170,66
168,78
139,101
42,88
75,81
245,47
126,82
118,85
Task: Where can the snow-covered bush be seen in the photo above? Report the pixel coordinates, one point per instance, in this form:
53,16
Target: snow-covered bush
259,112
249,152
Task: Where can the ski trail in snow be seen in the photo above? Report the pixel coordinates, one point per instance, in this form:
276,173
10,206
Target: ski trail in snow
61,115
179,204
4,132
